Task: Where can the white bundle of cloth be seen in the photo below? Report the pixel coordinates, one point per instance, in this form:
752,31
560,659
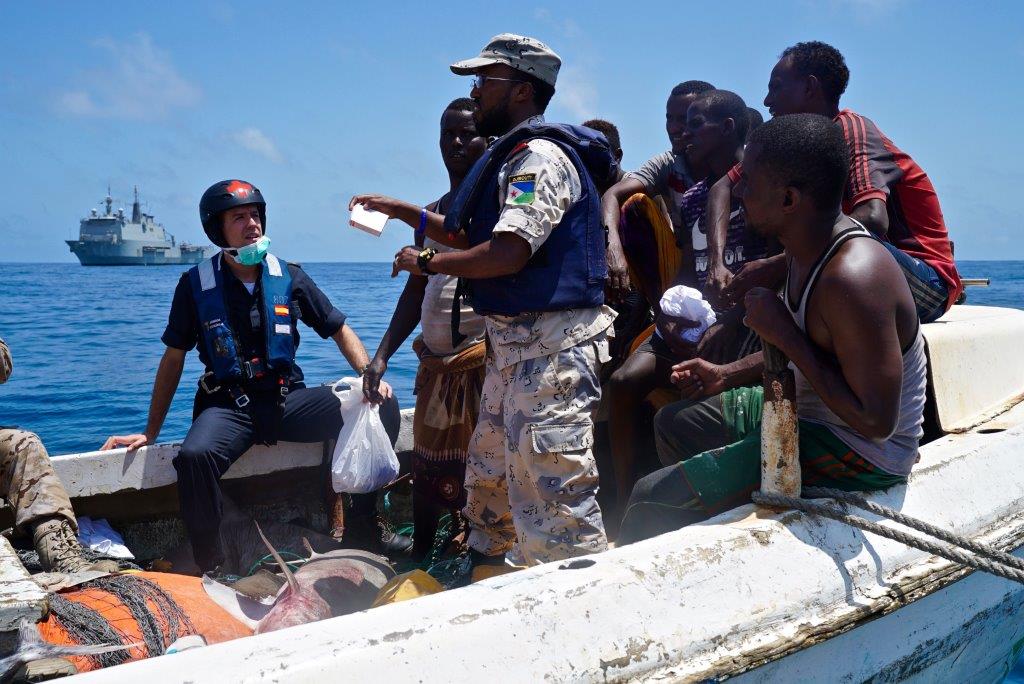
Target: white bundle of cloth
686,302
99,536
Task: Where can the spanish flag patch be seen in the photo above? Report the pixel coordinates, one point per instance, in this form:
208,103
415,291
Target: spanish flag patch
281,310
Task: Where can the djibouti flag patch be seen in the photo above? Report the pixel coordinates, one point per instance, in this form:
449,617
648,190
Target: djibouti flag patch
520,188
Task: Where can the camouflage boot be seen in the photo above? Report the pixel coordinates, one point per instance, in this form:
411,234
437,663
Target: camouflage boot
59,550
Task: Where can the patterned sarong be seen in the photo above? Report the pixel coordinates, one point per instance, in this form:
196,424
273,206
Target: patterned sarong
447,407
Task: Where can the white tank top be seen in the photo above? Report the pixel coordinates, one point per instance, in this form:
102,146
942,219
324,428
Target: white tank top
436,313
897,453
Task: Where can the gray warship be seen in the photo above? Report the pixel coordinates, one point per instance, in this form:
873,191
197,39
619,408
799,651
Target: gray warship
113,240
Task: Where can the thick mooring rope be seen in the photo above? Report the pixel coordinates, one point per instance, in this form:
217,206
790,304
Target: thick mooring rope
997,562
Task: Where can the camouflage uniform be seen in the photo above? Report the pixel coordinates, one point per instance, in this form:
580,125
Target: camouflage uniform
531,476
27,480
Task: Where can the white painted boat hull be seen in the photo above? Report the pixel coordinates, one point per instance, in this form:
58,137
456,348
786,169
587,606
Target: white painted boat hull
771,597
751,594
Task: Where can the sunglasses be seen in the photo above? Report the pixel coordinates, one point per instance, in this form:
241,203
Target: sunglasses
479,80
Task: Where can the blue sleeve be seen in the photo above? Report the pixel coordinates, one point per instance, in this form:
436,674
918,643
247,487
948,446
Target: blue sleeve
315,309
182,331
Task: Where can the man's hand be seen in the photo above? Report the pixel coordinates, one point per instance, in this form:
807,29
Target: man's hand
768,317
759,273
618,271
719,278
382,203
133,442
384,393
374,390
407,259
697,379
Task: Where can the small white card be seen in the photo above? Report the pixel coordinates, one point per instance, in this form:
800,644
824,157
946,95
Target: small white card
368,220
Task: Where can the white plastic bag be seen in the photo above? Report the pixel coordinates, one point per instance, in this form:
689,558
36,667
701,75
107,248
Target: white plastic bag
363,460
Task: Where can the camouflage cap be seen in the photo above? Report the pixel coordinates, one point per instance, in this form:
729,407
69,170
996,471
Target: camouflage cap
528,55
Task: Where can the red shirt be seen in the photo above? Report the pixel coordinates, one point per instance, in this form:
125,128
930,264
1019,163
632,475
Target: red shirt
880,170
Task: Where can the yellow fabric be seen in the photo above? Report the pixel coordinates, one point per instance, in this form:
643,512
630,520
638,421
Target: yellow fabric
669,255
641,338
407,586
482,572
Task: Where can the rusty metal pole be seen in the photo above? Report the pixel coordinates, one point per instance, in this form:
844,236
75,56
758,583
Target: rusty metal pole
780,454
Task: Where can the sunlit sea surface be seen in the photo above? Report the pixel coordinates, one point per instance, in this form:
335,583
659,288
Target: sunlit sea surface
86,343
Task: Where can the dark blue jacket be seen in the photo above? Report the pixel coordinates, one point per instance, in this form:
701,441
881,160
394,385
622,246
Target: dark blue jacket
569,270
218,338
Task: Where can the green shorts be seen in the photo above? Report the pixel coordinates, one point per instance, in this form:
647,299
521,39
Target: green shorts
724,478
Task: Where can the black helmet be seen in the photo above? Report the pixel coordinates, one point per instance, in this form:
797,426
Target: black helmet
222,196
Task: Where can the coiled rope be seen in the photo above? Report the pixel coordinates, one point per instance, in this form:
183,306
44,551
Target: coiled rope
986,558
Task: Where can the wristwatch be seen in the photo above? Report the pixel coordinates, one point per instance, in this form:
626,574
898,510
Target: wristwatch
424,258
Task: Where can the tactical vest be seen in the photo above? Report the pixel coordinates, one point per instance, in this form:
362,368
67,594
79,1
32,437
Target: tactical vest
229,367
569,271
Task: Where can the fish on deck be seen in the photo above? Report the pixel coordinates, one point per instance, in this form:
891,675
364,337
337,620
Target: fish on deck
328,585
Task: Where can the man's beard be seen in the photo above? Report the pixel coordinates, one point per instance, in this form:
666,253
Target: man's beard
495,122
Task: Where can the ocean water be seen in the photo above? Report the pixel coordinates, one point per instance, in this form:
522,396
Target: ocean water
86,344
86,341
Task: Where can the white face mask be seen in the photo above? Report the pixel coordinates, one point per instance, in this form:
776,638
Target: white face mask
250,255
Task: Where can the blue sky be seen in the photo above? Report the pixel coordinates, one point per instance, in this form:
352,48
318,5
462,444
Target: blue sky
315,102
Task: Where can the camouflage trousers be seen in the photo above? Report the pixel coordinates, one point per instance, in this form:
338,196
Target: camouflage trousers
531,476
28,483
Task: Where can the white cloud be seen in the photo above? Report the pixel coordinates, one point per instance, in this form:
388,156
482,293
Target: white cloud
138,82
255,140
576,93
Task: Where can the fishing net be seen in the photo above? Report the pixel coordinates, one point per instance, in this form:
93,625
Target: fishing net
87,627
447,563
161,625
153,613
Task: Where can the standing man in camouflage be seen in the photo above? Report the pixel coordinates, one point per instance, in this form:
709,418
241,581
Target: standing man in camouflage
529,214
41,506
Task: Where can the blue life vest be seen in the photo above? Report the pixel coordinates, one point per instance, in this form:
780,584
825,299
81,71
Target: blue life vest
569,270
207,281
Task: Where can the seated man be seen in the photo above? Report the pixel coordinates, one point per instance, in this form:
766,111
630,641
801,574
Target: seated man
636,223
715,132
847,322
38,499
451,351
241,308
886,191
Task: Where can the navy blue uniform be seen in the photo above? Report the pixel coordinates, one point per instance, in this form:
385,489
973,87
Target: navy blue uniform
221,432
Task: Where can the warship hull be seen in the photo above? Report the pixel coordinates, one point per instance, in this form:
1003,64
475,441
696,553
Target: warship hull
112,238
127,254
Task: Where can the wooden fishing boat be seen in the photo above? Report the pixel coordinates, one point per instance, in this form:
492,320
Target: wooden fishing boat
752,593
